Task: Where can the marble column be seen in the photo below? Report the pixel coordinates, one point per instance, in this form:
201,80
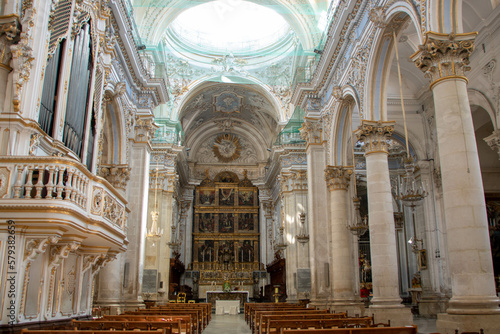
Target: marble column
386,302
345,296
474,304
317,216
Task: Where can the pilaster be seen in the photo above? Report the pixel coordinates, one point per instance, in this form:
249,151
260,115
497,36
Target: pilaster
386,303
317,216
294,198
345,296
444,59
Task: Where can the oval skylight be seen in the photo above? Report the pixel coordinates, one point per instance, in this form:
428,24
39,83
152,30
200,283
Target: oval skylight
230,26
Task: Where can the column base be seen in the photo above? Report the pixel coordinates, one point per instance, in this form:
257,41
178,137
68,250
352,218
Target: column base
320,304
353,309
431,306
448,323
474,305
398,316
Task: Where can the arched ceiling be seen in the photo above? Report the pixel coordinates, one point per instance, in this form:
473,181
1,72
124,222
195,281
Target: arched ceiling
241,111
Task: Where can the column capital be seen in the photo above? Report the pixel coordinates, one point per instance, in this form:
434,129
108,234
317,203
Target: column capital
312,131
493,141
375,134
145,128
445,56
337,177
294,180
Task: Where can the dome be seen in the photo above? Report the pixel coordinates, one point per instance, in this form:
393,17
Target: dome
221,27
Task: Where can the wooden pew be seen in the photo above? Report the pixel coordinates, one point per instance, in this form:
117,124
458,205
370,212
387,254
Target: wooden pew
173,326
265,327
206,307
203,311
197,315
251,307
278,326
72,331
369,330
256,320
187,324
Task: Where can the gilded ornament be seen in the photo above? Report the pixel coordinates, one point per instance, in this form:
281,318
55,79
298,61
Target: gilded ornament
227,147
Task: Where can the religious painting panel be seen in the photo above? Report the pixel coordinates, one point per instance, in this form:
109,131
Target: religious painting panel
246,222
206,251
246,197
226,223
206,197
206,222
226,197
246,251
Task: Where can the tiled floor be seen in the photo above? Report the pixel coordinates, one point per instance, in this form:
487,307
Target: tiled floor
235,324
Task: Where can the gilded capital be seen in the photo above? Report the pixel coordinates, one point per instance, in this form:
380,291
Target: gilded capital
337,177
294,180
117,175
445,56
312,131
145,128
374,135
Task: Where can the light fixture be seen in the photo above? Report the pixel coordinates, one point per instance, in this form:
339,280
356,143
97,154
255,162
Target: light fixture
188,149
412,192
155,231
269,149
358,225
416,244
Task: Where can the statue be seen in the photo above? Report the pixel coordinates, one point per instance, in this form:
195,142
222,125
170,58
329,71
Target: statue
8,32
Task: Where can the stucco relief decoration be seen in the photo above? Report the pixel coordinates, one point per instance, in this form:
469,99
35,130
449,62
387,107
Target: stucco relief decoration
294,159
38,246
71,281
97,201
229,64
226,124
377,16
21,52
60,252
227,102
113,211
227,147
4,181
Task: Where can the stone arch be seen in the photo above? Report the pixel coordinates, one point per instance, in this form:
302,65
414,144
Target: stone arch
381,58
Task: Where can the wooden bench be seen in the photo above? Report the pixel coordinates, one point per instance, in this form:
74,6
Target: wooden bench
250,308
266,327
187,323
369,330
173,326
205,307
255,323
72,331
197,315
278,326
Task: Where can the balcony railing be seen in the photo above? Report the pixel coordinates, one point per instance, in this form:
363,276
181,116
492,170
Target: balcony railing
66,183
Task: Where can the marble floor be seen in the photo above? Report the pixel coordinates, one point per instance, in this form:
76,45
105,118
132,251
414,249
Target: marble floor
235,324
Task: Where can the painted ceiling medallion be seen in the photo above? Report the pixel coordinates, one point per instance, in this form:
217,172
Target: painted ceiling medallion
227,147
227,102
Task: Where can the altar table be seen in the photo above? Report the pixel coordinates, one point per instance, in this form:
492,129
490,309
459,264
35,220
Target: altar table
227,306
213,296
